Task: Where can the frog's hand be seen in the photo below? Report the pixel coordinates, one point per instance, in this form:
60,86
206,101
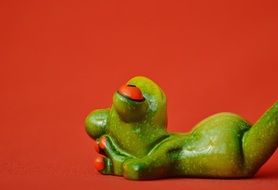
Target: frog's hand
114,156
260,142
96,122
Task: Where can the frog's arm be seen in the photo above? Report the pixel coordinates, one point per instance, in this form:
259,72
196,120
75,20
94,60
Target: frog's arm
260,141
159,163
115,155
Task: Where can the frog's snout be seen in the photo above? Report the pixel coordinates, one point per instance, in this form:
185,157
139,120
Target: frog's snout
132,92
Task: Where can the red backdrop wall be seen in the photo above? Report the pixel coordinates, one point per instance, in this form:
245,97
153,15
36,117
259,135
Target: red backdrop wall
61,59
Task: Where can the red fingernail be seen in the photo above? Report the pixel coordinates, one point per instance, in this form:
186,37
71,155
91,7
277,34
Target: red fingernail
99,163
102,143
96,147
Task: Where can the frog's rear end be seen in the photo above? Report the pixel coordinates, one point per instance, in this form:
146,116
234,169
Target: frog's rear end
226,146
214,148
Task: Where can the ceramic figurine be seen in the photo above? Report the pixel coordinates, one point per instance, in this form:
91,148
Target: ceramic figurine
133,142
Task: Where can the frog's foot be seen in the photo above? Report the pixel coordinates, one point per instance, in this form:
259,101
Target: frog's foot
112,157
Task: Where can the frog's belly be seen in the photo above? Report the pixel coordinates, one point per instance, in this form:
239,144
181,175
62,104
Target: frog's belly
214,148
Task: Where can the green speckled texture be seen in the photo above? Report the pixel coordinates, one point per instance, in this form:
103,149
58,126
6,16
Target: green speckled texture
138,145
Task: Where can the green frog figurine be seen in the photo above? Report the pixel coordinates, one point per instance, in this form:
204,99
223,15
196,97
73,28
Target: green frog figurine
133,142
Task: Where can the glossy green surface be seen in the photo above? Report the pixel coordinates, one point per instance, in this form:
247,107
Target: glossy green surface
139,147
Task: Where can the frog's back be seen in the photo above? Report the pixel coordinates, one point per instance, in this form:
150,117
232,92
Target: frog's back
214,147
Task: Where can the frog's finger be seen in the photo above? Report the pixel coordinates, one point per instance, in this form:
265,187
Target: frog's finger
100,146
103,165
114,153
102,142
96,146
106,146
99,163
109,148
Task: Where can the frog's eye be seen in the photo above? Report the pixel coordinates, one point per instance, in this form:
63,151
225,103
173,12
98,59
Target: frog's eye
130,103
132,92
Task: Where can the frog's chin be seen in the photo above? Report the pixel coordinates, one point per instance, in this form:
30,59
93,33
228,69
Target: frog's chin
129,110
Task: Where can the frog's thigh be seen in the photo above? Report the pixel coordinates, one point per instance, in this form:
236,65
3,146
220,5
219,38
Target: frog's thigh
214,148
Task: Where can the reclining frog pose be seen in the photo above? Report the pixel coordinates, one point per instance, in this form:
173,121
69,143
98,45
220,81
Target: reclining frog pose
133,142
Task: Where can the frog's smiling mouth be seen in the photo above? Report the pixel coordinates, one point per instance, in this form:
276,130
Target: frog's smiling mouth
131,92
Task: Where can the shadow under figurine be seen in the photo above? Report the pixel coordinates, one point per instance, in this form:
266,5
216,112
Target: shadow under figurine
133,141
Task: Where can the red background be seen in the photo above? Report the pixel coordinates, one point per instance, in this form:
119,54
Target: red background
61,59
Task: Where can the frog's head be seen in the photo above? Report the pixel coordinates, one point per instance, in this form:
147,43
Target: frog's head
138,115
130,103
140,99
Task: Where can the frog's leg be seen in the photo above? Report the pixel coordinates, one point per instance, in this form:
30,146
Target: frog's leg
260,141
114,156
159,163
